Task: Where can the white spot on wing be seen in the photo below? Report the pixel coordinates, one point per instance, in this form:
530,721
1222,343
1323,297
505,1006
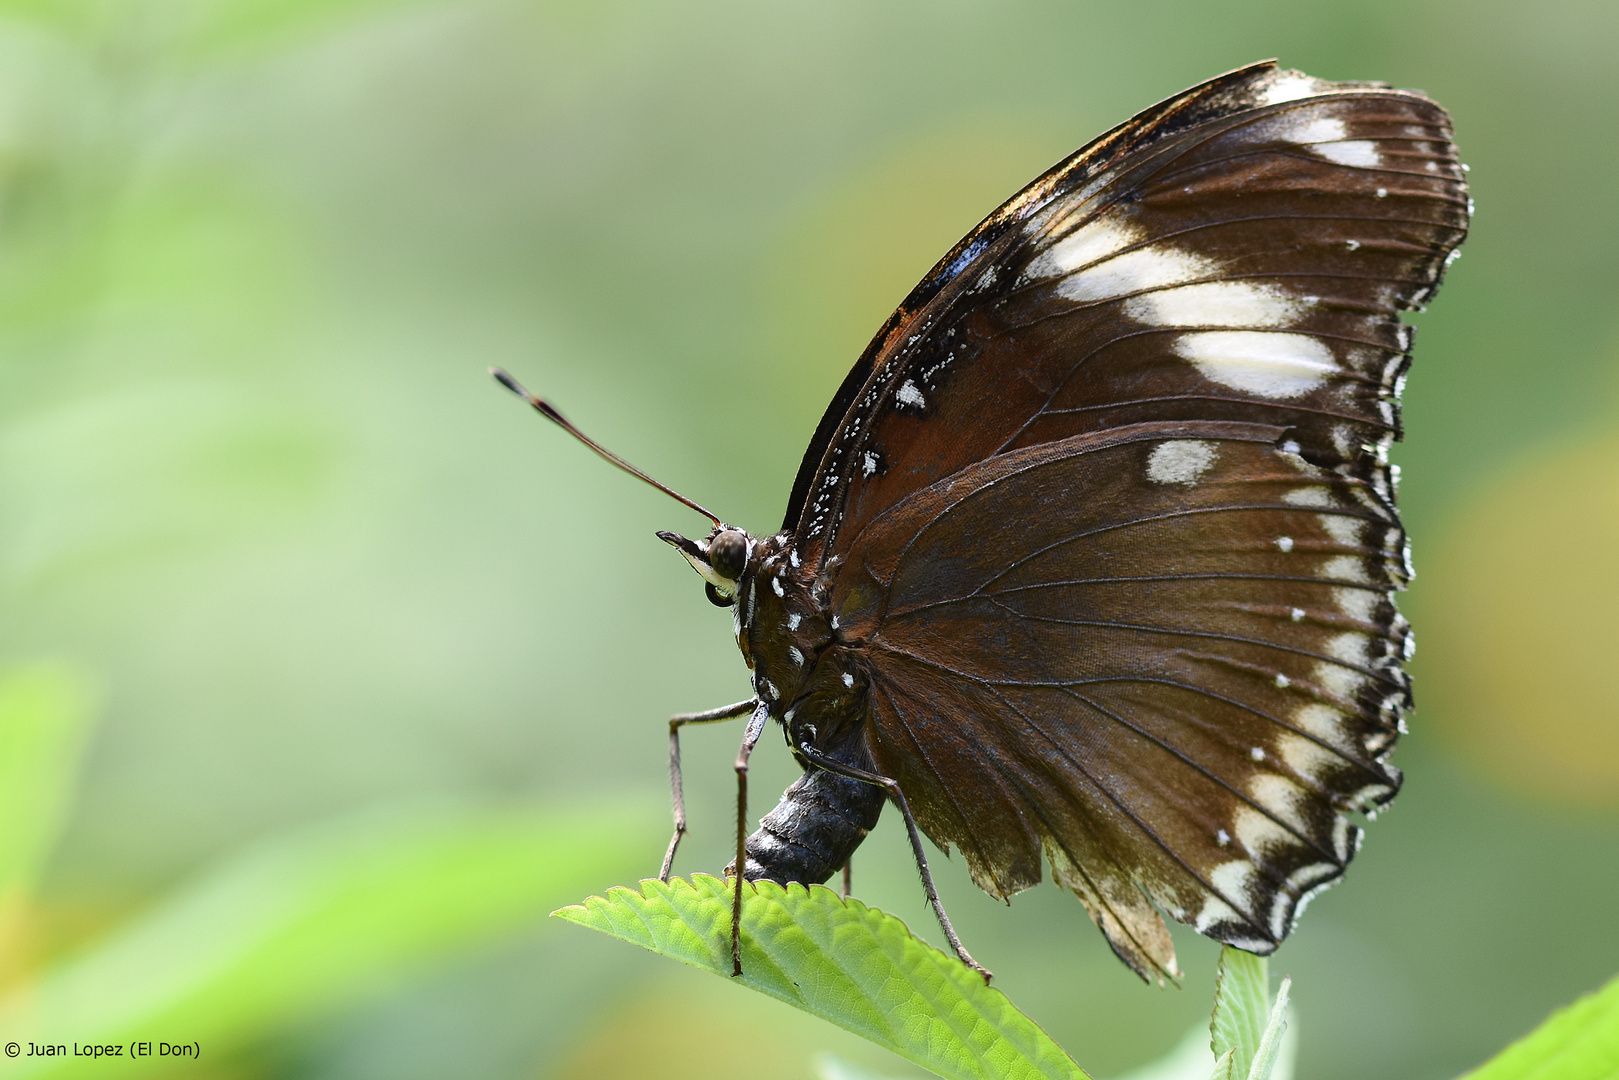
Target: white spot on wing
1284,543
796,656
1234,879
1281,797
909,395
1325,723
1257,753
848,679
1215,303
1215,910
1270,365
1350,648
1290,87
1337,679
1083,246
868,460
1180,461
1357,152
1344,568
1342,528
1310,878
793,621
1278,914
1308,496
1308,128
1359,604
1346,838
1135,271
1305,756
1222,837
1259,834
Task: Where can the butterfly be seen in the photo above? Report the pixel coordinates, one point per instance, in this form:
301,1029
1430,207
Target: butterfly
1091,562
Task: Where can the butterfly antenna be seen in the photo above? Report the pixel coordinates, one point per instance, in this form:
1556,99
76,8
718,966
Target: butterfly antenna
549,411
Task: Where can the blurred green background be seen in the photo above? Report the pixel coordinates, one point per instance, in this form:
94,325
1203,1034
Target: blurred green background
326,668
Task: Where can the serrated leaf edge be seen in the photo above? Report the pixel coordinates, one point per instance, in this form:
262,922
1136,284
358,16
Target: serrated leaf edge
888,932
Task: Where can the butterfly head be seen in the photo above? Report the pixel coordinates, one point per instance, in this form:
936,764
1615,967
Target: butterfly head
721,558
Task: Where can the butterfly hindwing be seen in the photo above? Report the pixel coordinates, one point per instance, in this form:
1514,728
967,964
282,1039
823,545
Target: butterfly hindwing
1176,689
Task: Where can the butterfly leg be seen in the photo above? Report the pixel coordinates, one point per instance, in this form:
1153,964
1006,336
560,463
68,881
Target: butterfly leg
892,787
756,727
725,712
847,878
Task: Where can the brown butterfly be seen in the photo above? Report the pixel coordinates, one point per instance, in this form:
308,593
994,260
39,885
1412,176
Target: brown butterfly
1092,558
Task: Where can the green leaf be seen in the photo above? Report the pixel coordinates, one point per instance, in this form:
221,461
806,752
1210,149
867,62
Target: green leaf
841,961
1247,1032
1578,1042
314,919
1241,1008
43,714
1270,1041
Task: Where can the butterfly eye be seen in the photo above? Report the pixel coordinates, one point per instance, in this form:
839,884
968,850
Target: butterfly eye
728,554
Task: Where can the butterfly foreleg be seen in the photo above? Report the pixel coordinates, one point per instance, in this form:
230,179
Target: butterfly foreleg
891,786
750,737
676,722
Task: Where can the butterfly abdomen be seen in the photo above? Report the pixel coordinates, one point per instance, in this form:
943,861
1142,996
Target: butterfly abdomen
817,825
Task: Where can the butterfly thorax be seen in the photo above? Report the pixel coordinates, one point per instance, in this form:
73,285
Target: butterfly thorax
812,683
809,677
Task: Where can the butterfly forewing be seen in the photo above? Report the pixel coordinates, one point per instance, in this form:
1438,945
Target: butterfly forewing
1246,266
1107,507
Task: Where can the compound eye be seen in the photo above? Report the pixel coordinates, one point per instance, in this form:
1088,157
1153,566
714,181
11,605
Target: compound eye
728,554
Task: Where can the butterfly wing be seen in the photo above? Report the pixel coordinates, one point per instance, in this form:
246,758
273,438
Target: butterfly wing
1237,252
1175,688
1109,510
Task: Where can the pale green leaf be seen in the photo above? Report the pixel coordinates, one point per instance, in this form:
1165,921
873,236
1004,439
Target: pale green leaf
1578,1042
1241,1007
1225,1066
316,918
841,961
43,714
1270,1042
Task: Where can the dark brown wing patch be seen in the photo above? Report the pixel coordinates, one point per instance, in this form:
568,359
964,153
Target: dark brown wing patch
1240,252
1108,512
1163,656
